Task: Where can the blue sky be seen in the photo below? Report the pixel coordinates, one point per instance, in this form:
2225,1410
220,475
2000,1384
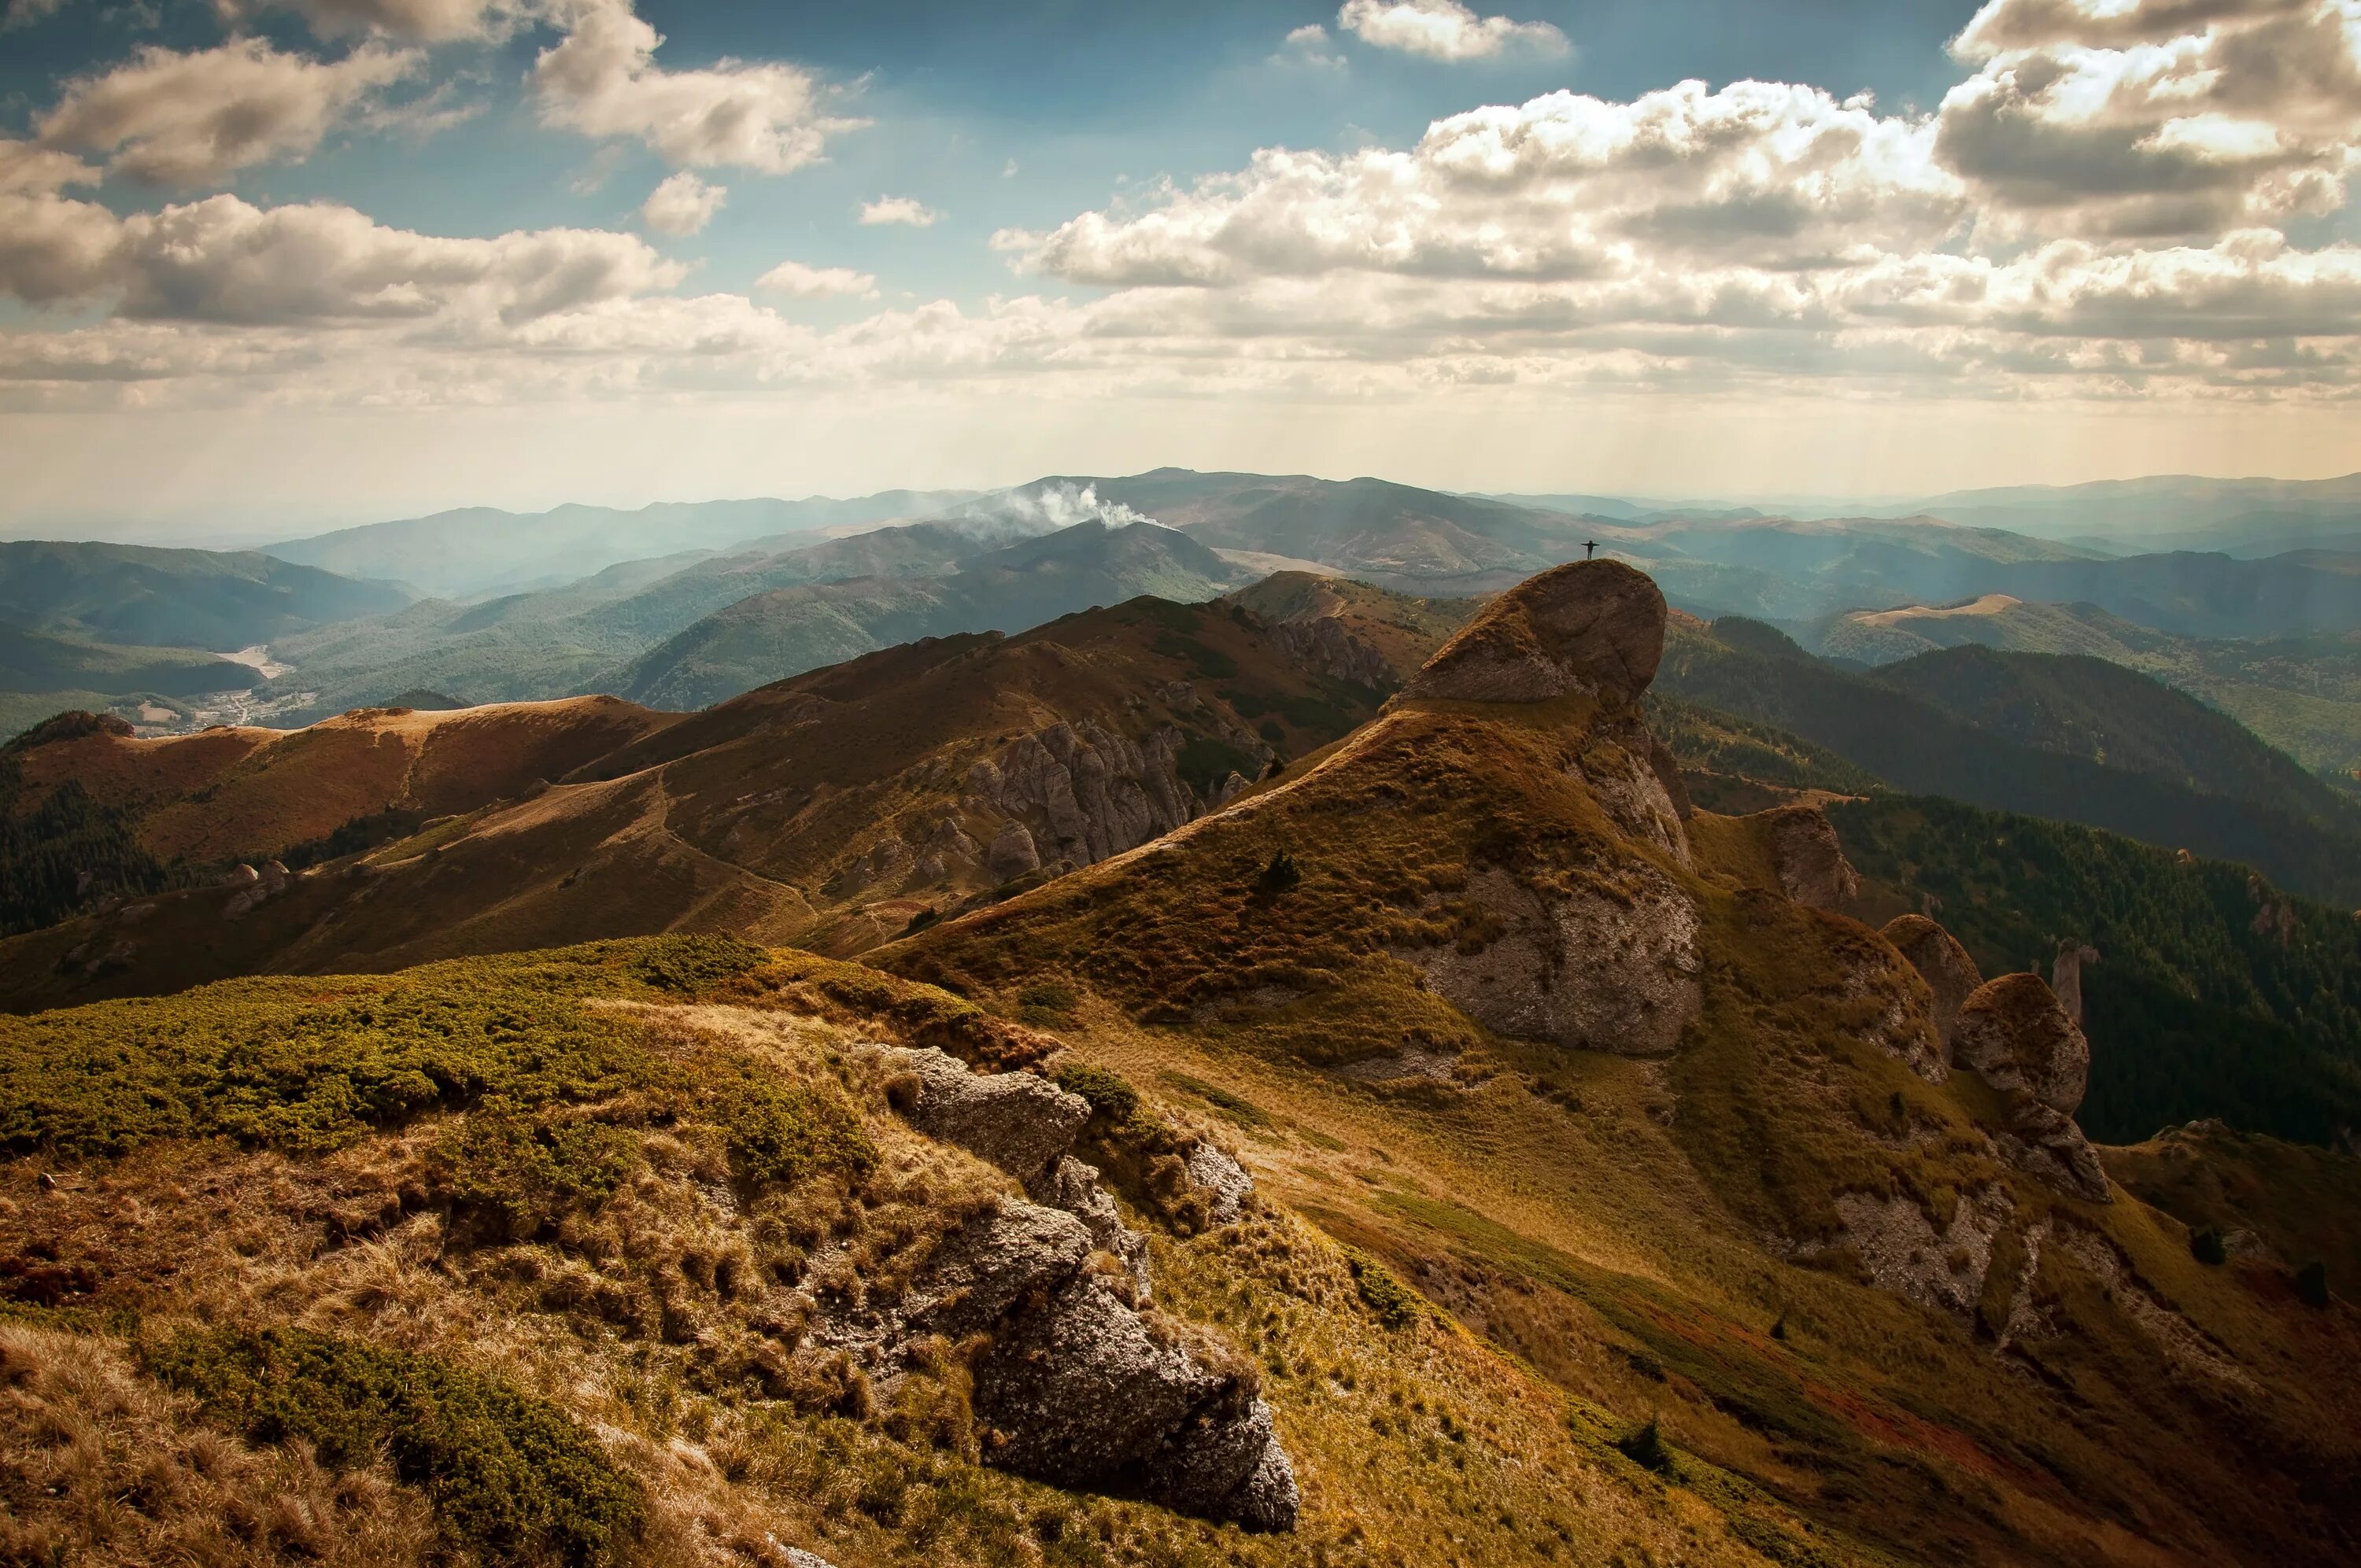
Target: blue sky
347,257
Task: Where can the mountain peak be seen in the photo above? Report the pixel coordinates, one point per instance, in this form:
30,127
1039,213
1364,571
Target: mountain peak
1594,627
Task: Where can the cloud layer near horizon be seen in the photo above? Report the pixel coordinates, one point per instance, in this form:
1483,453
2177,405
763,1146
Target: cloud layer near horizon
2109,202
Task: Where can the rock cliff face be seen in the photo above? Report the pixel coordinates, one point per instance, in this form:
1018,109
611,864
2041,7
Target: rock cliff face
2014,1032
1607,963
1078,1385
2066,976
1946,967
1590,626
1595,967
1081,792
1323,645
1810,862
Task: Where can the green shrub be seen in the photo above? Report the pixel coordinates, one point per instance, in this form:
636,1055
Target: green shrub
1281,875
1047,1003
691,963
513,1479
1396,1305
1644,1446
778,1132
1112,1098
525,1171
2312,1284
2206,1246
1235,1107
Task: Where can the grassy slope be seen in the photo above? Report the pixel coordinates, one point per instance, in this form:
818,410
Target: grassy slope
748,817
1603,1218
633,1293
175,598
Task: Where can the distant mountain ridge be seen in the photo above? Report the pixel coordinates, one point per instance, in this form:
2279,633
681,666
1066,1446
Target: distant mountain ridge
477,550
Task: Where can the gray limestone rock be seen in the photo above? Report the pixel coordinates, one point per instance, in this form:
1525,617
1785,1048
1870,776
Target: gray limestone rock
1946,967
1017,1121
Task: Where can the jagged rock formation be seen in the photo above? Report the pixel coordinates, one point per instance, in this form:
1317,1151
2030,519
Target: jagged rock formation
1325,645
2066,976
1081,792
1017,1121
1592,627
1597,968
1078,1386
1609,963
1946,967
1810,860
2016,1035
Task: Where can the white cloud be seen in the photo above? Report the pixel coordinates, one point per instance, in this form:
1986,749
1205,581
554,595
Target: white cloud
1761,238
194,119
602,79
683,204
2157,117
799,281
1308,46
1442,29
1563,186
907,209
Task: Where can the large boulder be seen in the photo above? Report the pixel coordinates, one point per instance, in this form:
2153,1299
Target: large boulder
1808,857
1087,1393
1591,627
2014,1034
1017,1121
1946,967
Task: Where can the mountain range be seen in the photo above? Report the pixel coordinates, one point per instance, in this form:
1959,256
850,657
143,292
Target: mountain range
1302,1076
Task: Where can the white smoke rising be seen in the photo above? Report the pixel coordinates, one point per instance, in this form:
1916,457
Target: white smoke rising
1062,506
1026,514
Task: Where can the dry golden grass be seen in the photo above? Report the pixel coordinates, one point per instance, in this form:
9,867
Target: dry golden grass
99,1465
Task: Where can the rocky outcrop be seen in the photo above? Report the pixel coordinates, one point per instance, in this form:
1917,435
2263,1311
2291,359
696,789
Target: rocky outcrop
1081,792
1808,858
2066,976
2014,1034
1618,764
1946,967
1324,643
1599,967
1013,853
1899,1248
1591,627
1076,1385
253,888
1018,1120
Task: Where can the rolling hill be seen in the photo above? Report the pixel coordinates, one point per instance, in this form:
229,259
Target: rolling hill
831,808
133,595
2277,822
2300,693
94,814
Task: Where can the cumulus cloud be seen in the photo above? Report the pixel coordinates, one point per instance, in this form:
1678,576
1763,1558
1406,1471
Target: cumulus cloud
1564,186
683,204
602,79
224,261
907,209
2157,117
1442,30
799,281
194,119
24,13
2130,239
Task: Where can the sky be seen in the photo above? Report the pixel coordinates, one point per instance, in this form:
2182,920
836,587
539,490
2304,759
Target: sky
267,264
